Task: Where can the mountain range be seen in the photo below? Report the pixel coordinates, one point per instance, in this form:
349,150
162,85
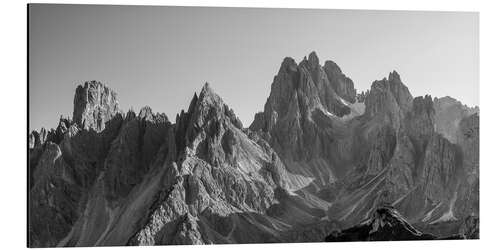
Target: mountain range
321,162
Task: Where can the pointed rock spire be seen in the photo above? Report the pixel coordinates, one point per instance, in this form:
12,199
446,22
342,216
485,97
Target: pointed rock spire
313,59
342,84
206,88
288,65
145,112
208,97
388,95
394,76
208,105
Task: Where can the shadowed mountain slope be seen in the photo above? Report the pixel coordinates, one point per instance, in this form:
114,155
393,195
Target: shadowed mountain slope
320,158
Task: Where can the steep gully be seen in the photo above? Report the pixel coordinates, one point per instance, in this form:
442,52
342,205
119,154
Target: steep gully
320,158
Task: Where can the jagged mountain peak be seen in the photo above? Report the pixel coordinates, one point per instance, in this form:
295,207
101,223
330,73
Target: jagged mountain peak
394,76
288,65
423,104
130,115
446,99
313,59
394,79
305,100
311,86
94,105
342,84
332,67
145,112
303,167
447,102
204,110
389,96
310,62
206,89
208,96
210,105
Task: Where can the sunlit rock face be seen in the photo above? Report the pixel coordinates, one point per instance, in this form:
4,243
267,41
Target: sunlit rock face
405,162
145,181
449,113
389,99
342,84
94,105
320,160
306,119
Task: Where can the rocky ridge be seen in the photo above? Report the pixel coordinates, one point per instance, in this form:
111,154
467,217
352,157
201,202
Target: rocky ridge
320,157
304,119
449,113
144,181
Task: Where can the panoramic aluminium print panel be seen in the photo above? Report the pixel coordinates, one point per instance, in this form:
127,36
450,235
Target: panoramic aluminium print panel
159,125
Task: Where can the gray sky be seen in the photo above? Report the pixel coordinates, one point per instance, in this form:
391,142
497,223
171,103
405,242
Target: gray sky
159,56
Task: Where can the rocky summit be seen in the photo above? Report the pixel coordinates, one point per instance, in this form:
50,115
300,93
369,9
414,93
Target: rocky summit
322,161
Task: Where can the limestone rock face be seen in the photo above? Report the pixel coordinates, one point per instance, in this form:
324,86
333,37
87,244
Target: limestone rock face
439,167
381,164
132,151
219,172
54,197
420,122
303,119
468,139
342,84
401,178
36,139
403,161
449,113
389,99
144,181
94,105
470,228
64,165
382,149
305,87
468,191
384,146
360,97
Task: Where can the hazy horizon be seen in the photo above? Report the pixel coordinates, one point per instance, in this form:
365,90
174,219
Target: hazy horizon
159,56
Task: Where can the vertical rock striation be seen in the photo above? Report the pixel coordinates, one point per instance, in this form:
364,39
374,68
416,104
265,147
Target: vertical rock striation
303,119
320,157
449,113
94,105
218,174
342,84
